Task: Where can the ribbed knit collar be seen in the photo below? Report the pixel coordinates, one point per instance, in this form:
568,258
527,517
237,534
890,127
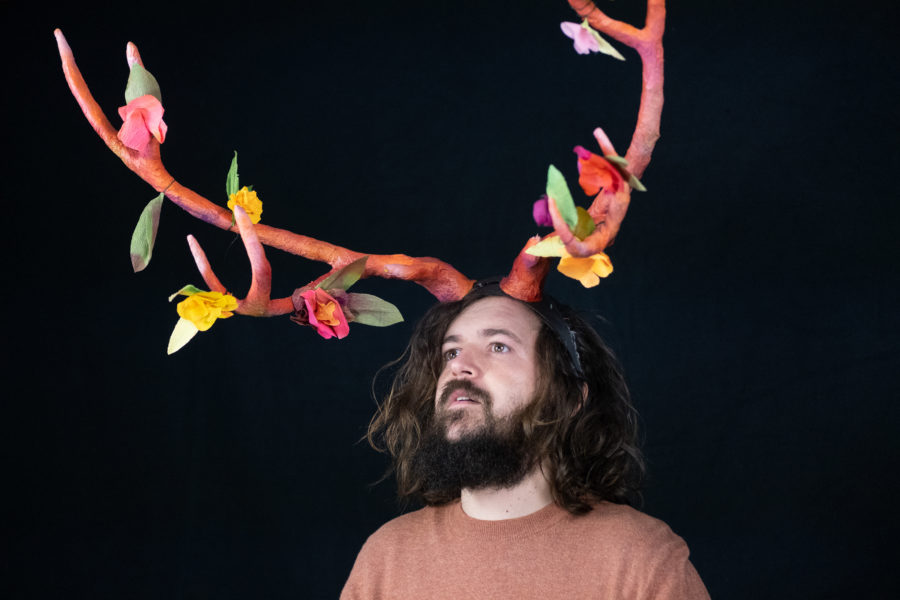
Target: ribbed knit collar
459,524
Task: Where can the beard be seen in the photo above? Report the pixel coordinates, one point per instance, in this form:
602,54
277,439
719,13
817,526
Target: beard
495,454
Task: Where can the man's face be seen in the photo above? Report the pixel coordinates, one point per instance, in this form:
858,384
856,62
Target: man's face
490,367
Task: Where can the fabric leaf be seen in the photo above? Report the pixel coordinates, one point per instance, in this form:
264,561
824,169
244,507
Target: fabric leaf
622,165
140,83
345,277
231,181
188,290
372,310
144,235
552,246
558,189
183,333
605,47
585,225
635,183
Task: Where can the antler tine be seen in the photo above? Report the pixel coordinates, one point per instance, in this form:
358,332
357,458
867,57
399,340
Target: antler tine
439,278
206,271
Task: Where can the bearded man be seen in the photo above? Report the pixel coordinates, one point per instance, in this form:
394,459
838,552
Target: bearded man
512,423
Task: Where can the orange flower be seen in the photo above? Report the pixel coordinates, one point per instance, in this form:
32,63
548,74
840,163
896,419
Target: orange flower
203,308
142,117
588,270
247,200
596,173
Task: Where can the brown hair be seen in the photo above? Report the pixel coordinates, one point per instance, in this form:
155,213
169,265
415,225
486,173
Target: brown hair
583,426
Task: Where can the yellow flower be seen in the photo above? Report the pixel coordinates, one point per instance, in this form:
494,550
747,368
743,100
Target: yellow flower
587,270
203,308
247,200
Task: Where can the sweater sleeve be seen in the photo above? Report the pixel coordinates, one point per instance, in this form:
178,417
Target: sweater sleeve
671,576
362,583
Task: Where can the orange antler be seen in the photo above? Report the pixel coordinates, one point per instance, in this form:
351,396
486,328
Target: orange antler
608,209
438,277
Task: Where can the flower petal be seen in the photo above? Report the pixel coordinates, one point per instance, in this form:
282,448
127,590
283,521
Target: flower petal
134,133
541,212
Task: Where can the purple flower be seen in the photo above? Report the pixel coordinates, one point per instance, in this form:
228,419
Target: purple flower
541,212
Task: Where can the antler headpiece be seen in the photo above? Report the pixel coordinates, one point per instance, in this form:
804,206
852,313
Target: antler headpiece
579,238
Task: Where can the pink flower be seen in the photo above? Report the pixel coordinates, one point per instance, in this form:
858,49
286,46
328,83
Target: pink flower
596,173
585,42
324,313
142,117
541,212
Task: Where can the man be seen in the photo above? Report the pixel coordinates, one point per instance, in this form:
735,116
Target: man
512,423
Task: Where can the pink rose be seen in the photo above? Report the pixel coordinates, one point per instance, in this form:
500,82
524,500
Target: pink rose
142,117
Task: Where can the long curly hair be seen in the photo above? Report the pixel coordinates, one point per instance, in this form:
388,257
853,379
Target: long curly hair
583,426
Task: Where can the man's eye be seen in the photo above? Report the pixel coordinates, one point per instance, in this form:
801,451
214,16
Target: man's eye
499,347
451,354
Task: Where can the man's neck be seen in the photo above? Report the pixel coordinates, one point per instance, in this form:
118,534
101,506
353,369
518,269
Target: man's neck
495,504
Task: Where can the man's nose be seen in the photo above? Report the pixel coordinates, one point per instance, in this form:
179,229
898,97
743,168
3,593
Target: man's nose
464,366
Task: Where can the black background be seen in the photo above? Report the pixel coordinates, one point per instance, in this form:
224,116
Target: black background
754,303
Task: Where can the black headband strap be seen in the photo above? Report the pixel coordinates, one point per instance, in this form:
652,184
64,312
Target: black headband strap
548,311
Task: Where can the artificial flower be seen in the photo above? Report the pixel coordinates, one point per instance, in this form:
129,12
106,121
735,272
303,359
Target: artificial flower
142,118
588,270
322,311
596,173
247,200
541,212
203,308
587,39
585,43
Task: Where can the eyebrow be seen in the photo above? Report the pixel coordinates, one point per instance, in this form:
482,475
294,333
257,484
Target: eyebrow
490,332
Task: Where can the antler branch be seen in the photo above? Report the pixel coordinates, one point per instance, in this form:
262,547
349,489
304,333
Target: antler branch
439,278
608,209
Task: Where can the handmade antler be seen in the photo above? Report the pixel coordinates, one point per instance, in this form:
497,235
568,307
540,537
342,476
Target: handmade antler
438,277
607,210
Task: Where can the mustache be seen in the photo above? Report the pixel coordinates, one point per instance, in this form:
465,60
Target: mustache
472,390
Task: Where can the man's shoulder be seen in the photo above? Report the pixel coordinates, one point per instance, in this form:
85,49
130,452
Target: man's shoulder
409,525
627,525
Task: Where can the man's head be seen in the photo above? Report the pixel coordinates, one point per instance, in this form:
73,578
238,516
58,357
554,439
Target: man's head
488,390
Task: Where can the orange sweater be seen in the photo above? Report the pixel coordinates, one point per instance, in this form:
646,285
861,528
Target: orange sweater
612,552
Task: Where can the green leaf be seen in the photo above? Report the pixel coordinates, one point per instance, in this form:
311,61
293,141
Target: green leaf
552,246
605,47
188,290
343,278
585,225
140,83
231,181
183,333
616,160
144,234
622,165
635,183
372,310
558,189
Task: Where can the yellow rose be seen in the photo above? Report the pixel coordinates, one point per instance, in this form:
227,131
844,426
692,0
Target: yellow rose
203,308
587,270
247,200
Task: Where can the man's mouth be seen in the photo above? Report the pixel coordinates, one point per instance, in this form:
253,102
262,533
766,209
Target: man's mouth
462,397
462,393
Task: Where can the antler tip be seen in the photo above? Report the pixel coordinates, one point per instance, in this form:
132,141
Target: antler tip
61,41
132,55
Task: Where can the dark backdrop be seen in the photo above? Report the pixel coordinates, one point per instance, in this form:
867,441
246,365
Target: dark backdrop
754,303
